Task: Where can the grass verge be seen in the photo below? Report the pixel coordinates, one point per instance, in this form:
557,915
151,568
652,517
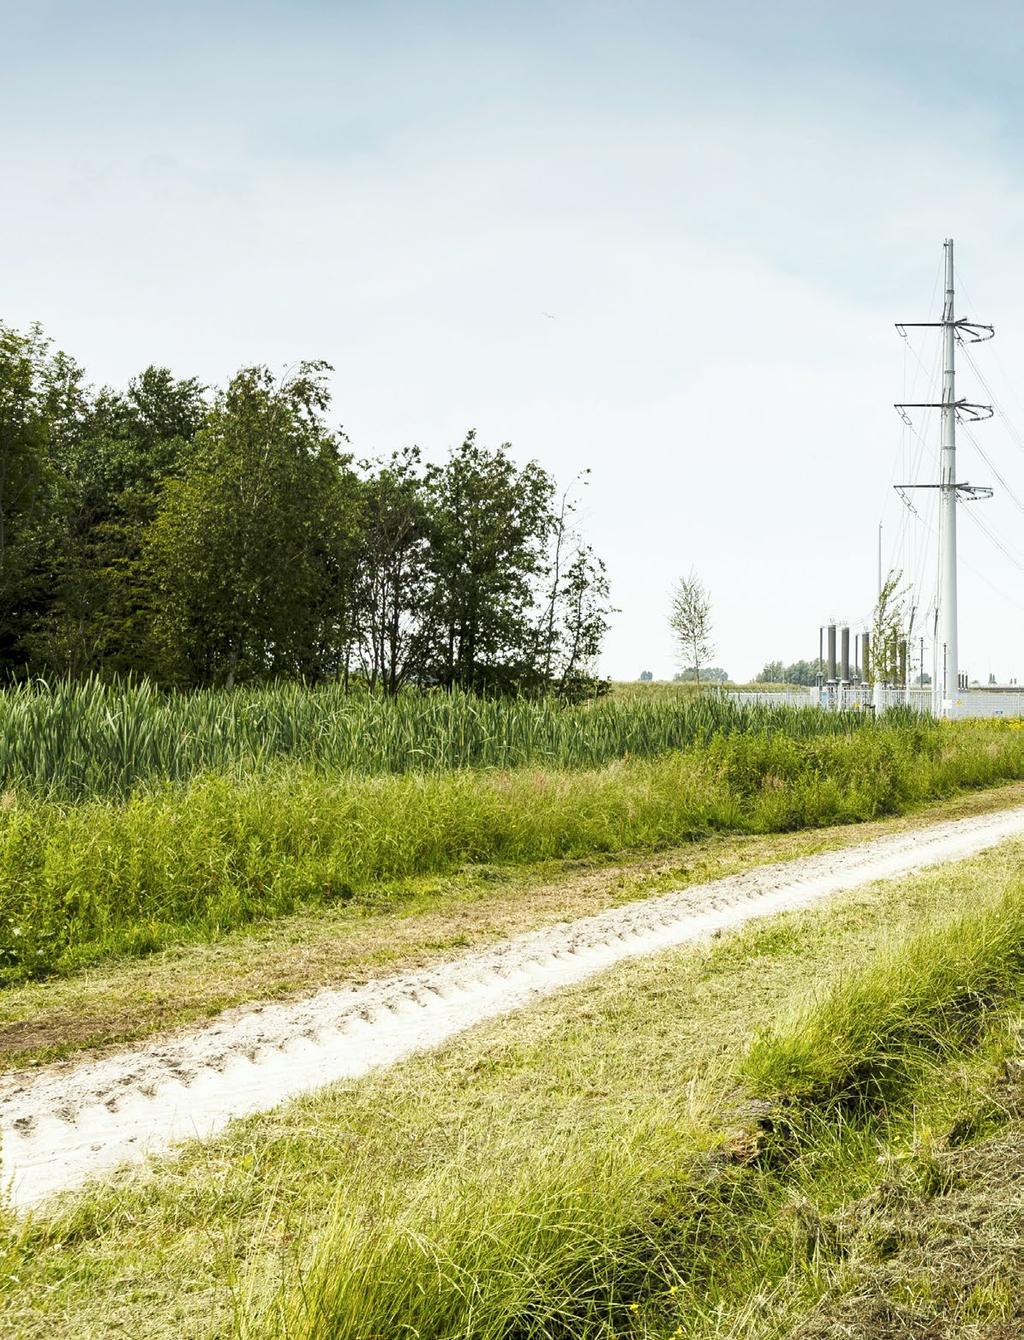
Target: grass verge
591,1167
390,928
837,1074
105,879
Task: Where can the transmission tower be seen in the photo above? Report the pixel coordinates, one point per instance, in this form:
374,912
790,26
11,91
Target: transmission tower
946,680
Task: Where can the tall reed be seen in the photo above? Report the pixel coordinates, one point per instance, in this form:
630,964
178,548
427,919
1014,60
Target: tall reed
95,739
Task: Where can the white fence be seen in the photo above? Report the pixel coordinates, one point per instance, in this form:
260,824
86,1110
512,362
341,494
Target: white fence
862,697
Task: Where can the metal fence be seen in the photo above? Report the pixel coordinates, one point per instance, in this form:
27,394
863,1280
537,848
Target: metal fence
977,703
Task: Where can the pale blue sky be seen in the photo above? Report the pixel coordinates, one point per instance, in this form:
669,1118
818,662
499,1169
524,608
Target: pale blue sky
725,207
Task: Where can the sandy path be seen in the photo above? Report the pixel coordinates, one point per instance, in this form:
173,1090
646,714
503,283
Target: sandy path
65,1123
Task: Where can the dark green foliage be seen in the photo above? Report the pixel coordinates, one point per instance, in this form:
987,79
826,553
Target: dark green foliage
40,403
800,672
207,539
253,546
489,525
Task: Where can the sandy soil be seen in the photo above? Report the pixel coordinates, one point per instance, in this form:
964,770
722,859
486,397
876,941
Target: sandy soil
66,1123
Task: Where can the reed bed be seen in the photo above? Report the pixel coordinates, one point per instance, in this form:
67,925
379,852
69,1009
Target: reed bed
97,739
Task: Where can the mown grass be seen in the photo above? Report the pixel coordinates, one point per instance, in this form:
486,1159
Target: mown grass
106,878
592,1167
653,1226
88,739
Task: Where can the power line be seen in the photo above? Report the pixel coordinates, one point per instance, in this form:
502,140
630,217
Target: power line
995,540
1017,604
985,457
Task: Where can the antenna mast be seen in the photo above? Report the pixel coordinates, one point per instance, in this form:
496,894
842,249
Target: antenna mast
946,686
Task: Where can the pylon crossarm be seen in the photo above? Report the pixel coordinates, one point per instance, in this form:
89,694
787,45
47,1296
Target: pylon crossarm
967,411
975,331
965,492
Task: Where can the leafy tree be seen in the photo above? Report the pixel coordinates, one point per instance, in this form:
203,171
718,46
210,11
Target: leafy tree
490,523
205,538
40,406
646,676
690,621
584,608
774,672
250,546
108,475
392,630
804,672
574,617
888,633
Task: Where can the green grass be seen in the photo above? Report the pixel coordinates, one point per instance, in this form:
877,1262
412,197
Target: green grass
591,1167
86,882
661,1221
927,995
393,926
83,740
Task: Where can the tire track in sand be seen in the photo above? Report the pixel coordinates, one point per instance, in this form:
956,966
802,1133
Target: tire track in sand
65,1123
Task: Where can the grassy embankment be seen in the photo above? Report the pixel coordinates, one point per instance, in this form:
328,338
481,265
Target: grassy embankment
717,1142
148,862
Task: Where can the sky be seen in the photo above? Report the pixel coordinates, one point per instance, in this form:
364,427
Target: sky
665,242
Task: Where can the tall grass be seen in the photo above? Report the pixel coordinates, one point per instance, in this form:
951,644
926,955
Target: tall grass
651,1221
557,1243
106,877
91,738
925,995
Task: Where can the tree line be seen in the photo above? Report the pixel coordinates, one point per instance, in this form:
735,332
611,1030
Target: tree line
201,536
800,672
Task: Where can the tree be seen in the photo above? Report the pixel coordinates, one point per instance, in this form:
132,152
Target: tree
108,475
690,621
646,676
210,538
40,408
887,634
713,674
774,672
574,617
393,585
583,610
804,672
489,526
253,545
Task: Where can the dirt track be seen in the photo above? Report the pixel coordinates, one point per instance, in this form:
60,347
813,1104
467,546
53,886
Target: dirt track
68,1122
